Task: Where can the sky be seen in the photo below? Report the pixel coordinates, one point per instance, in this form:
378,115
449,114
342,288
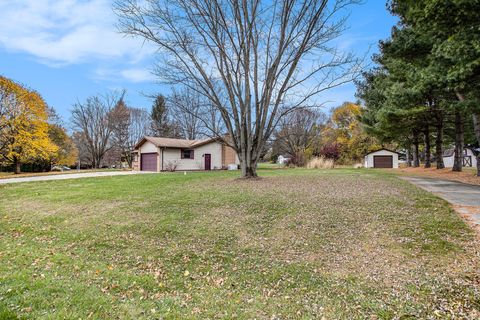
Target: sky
68,50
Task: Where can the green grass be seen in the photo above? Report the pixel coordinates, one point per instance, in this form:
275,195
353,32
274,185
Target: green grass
299,244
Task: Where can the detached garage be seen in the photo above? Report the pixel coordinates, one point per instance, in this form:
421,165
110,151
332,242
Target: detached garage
382,158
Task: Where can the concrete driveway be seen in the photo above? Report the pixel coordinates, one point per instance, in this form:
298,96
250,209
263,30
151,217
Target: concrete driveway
465,198
70,176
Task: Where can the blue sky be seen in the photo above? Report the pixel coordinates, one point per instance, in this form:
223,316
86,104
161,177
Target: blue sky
69,49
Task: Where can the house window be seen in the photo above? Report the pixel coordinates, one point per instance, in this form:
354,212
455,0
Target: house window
186,153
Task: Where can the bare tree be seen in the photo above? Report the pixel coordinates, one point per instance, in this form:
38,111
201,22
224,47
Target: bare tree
186,110
138,127
254,60
298,131
92,119
194,114
84,154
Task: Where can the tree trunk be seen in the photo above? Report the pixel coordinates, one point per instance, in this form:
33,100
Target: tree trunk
476,128
16,164
409,157
248,166
439,140
97,162
459,140
416,159
426,133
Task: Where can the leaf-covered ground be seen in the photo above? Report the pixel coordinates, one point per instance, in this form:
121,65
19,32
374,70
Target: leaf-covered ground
296,244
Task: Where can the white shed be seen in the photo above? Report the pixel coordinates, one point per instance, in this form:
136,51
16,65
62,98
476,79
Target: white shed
283,159
382,158
469,158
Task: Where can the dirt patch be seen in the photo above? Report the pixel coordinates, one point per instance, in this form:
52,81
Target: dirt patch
467,176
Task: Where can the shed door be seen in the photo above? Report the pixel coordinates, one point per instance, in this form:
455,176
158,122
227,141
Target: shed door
383,161
148,162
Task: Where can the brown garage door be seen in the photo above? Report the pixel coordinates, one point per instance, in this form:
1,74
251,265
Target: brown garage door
148,162
382,161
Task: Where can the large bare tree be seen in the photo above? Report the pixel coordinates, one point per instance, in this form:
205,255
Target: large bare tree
93,120
255,60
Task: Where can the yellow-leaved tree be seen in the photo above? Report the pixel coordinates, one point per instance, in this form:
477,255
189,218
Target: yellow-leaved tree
67,152
23,125
345,130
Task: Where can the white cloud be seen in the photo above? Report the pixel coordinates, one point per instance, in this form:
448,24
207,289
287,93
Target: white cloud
137,75
66,31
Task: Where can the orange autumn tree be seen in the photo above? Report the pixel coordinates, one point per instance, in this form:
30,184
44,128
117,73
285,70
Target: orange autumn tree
23,125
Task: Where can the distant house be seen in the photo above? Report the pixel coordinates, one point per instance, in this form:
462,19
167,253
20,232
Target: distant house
165,154
469,159
382,158
282,159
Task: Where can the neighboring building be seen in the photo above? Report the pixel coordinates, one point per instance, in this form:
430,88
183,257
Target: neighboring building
382,158
165,154
283,159
469,159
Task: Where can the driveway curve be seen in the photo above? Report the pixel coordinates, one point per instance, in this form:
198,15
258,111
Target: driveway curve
465,198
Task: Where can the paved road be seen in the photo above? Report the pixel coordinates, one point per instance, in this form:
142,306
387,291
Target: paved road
465,198
69,176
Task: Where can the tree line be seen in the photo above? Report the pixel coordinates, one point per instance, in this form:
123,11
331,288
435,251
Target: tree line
308,133
424,92
102,132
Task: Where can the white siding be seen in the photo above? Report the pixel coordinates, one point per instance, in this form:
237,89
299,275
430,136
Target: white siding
172,155
369,158
148,147
448,161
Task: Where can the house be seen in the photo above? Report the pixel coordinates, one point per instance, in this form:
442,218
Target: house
382,158
283,159
469,158
166,154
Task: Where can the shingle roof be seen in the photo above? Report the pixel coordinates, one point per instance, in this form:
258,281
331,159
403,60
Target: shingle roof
173,143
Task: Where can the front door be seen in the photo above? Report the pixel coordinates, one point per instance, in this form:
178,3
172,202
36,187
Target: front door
208,161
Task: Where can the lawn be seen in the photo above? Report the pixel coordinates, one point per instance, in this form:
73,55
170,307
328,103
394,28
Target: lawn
296,244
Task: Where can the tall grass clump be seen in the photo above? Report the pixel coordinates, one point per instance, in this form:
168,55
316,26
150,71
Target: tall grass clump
320,163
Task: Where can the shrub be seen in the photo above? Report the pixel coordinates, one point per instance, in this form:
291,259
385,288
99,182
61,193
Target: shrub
320,163
299,159
171,166
330,151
